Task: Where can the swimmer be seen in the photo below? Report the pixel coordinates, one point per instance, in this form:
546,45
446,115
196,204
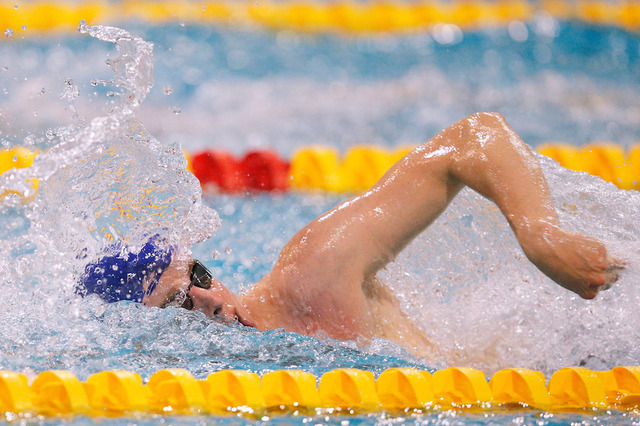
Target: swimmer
324,281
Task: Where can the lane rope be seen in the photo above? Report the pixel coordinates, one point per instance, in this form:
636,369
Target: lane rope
348,390
323,169
338,16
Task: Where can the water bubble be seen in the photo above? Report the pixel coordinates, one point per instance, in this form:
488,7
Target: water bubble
50,134
167,89
176,110
518,31
215,255
83,27
8,32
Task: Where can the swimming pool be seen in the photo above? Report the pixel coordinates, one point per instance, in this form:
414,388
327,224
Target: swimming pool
258,94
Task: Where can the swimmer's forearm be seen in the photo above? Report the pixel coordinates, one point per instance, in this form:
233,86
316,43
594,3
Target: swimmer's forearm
490,158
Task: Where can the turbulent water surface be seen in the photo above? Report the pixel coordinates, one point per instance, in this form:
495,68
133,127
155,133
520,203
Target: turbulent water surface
104,177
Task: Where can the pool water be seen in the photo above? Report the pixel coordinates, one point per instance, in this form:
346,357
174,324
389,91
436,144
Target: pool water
241,89
238,89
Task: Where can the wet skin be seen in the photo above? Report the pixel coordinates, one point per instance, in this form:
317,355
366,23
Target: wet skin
324,281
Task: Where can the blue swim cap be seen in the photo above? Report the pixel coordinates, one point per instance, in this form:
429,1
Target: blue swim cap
117,276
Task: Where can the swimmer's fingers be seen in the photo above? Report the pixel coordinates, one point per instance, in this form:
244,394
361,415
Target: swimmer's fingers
612,272
615,264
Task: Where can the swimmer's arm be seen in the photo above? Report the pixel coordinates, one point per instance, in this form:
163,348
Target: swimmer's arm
484,153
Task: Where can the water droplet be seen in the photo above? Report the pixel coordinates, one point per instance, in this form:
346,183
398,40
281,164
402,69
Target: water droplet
42,90
24,28
227,250
215,255
8,32
167,90
15,158
50,134
83,27
176,110
15,6
35,114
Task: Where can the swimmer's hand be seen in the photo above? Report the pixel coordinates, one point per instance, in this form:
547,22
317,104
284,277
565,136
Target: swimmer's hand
575,261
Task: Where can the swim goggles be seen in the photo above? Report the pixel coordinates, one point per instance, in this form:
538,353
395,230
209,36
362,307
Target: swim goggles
200,277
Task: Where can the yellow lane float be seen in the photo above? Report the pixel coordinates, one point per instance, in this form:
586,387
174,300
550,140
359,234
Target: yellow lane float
339,16
176,392
321,168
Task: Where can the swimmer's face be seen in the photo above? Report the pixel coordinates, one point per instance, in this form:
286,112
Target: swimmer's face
216,301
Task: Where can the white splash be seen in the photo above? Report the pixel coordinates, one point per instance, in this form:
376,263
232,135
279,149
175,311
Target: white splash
103,181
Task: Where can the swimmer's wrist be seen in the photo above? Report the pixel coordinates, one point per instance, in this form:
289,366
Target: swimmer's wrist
536,236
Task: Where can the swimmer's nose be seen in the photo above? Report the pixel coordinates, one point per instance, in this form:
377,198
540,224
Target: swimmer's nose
212,306
223,313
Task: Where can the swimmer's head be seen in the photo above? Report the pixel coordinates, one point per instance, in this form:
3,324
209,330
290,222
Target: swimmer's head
159,277
129,276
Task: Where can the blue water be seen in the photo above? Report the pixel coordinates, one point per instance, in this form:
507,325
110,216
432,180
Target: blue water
237,90
566,82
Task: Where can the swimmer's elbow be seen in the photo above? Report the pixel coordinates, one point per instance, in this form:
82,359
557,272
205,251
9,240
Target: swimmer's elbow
486,119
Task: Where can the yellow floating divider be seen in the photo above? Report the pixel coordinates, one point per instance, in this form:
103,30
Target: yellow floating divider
461,386
228,390
348,388
58,392
15,395
17,157
364,165
290,388
401,388
117,392
622,386
609,161
316,168
321,168
342,16
177,392
576,387
520,386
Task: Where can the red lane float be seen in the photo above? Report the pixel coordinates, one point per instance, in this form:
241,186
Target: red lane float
260,170
265,171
